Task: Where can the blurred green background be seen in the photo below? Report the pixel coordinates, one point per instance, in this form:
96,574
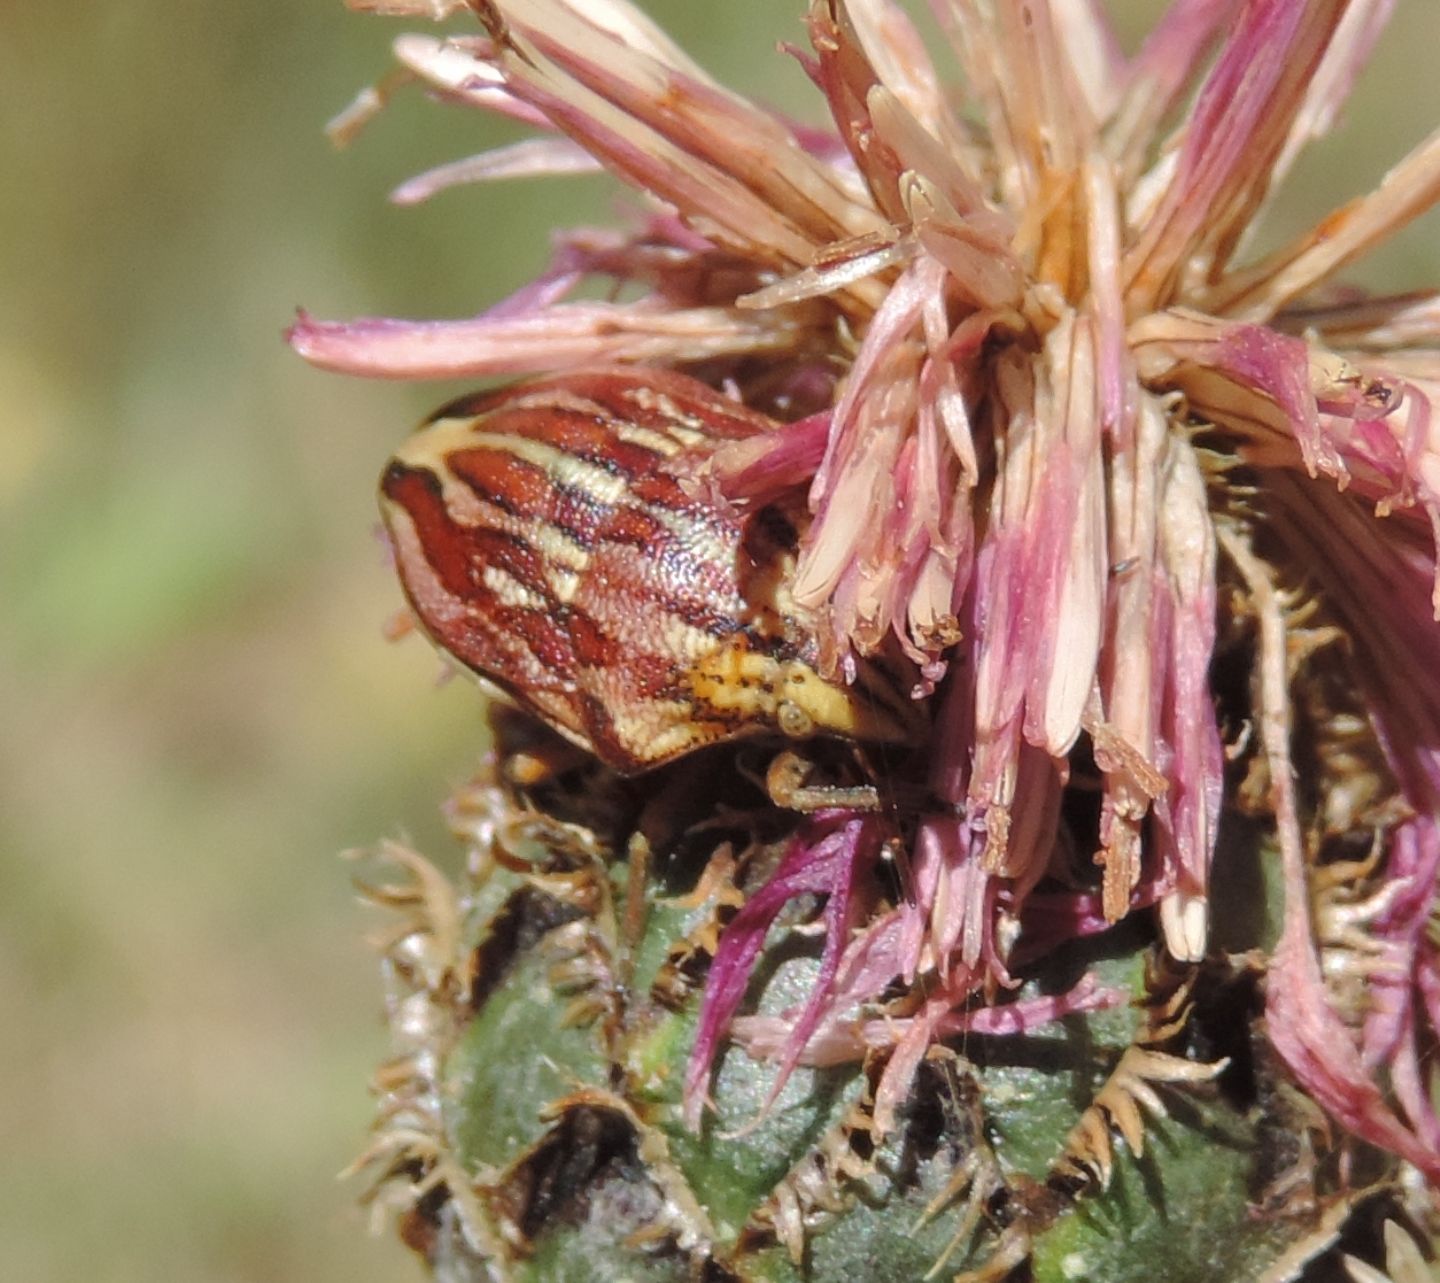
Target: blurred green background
199,709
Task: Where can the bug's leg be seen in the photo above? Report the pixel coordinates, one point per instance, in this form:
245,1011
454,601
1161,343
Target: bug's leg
687,960
788,783
532,756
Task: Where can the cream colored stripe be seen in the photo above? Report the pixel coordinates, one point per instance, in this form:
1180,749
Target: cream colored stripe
511,591
431,449
648,438
698,536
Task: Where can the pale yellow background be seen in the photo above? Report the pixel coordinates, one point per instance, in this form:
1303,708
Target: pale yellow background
198,709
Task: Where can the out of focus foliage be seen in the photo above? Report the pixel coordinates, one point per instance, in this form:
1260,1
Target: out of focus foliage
198,706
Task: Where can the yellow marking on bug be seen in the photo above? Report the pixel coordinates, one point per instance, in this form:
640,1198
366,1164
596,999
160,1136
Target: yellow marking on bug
737,683
830,707
734,681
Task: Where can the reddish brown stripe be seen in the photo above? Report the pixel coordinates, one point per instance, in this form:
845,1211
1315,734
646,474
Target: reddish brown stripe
485,639
527,492
578,514
458,556
710,614
628,396
635,528
508,552
600,728
467,406
701,616
503,480
417,491
641,402
663,490
593,648
546,639
582,435
635,396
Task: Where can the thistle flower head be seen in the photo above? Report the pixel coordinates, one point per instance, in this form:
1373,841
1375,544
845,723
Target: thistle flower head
1064,441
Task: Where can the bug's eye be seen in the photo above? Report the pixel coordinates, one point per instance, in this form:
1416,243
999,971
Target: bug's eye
794,721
